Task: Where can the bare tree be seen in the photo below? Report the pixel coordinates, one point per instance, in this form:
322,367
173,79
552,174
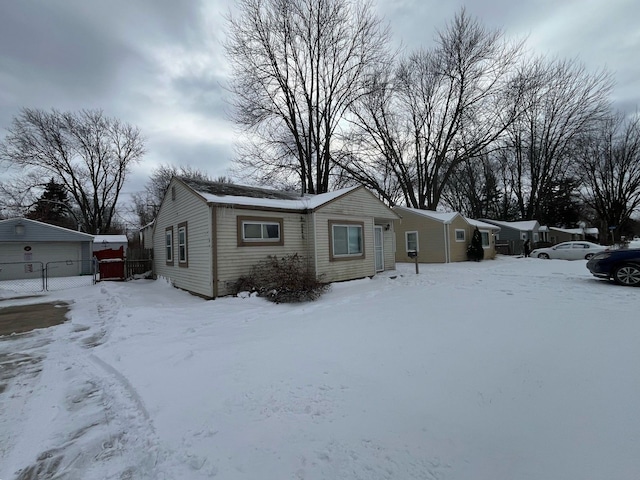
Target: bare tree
297,67
609,160
563,101
86,152
145,205
441,108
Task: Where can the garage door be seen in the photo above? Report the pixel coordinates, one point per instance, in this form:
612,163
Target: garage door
27,260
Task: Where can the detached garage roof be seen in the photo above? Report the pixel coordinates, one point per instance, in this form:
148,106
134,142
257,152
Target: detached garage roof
23,229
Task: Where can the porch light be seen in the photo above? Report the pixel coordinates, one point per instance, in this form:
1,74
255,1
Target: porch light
19,229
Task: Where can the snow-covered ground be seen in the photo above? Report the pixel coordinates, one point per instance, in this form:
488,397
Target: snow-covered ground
505,369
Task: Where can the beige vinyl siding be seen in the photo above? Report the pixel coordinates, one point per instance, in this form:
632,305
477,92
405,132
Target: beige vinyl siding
235,261
458,250
431,238
190,208
359,206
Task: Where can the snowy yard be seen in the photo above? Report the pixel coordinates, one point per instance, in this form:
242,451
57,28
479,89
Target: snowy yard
505,369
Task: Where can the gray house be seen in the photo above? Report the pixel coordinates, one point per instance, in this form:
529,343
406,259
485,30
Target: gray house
28,246
512,235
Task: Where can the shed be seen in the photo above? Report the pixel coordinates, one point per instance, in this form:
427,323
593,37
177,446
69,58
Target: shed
207,235
110,242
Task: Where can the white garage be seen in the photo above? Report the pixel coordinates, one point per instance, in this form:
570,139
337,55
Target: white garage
28,246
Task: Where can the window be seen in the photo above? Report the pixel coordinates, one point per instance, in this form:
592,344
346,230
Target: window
257,231
168,245
460,235
183,259
411,241
486,243
347,241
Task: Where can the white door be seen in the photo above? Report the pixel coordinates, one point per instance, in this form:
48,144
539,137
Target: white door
378,241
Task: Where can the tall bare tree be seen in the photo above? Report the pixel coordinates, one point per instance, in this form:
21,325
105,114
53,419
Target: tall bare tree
297,67
442,107
609,160
563,101
86,152
145,205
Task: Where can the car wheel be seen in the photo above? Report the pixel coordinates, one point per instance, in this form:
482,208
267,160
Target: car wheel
589,256
628,275
543,255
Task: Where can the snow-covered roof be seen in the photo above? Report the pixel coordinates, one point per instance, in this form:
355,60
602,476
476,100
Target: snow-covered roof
479,224
523,226
577,231
444,217
110,239
229,194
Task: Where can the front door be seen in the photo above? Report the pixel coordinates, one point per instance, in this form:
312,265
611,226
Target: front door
378,241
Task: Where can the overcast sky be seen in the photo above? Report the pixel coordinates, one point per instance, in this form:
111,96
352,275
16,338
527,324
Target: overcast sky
159,64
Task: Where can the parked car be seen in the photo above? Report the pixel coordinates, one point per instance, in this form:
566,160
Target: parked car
569,251
622,265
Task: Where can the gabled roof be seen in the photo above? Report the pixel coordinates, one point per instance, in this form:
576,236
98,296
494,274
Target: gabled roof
242,195
45,231
479,224
577,231
443,217
523,226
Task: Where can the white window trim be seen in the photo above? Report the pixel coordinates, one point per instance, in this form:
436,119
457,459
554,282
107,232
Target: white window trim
182,228
406,240
464,235
488,232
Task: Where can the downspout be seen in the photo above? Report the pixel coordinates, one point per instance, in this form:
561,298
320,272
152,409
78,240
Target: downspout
315,245
214,252
446,242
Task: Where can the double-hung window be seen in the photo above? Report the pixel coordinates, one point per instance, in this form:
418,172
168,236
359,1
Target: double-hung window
485,239
253,231
411,241
183,253
168,245
347,240
460,235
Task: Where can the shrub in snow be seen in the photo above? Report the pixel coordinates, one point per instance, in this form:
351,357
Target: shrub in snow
282,280
475,251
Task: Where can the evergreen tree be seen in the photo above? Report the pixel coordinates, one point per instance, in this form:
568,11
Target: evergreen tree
475,251
53,206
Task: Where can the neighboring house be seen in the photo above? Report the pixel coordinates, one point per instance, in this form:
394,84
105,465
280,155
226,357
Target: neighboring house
558,235
207,235
110,242
146,236
28,246
489,234
438,237
514,234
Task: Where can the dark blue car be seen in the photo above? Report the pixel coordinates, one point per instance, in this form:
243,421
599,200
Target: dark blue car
623,266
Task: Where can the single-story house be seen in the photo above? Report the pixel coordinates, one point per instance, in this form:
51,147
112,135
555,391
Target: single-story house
558,235
438,237
110,242
489,234
207,235
28,246
513,235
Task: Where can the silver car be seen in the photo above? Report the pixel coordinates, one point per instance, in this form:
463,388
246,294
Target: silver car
569,251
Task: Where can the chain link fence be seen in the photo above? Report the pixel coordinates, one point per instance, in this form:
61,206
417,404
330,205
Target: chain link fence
35,277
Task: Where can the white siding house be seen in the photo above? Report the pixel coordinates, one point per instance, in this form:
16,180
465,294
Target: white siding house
207,235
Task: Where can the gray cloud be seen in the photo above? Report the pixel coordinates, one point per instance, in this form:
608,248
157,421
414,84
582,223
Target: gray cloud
159,63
